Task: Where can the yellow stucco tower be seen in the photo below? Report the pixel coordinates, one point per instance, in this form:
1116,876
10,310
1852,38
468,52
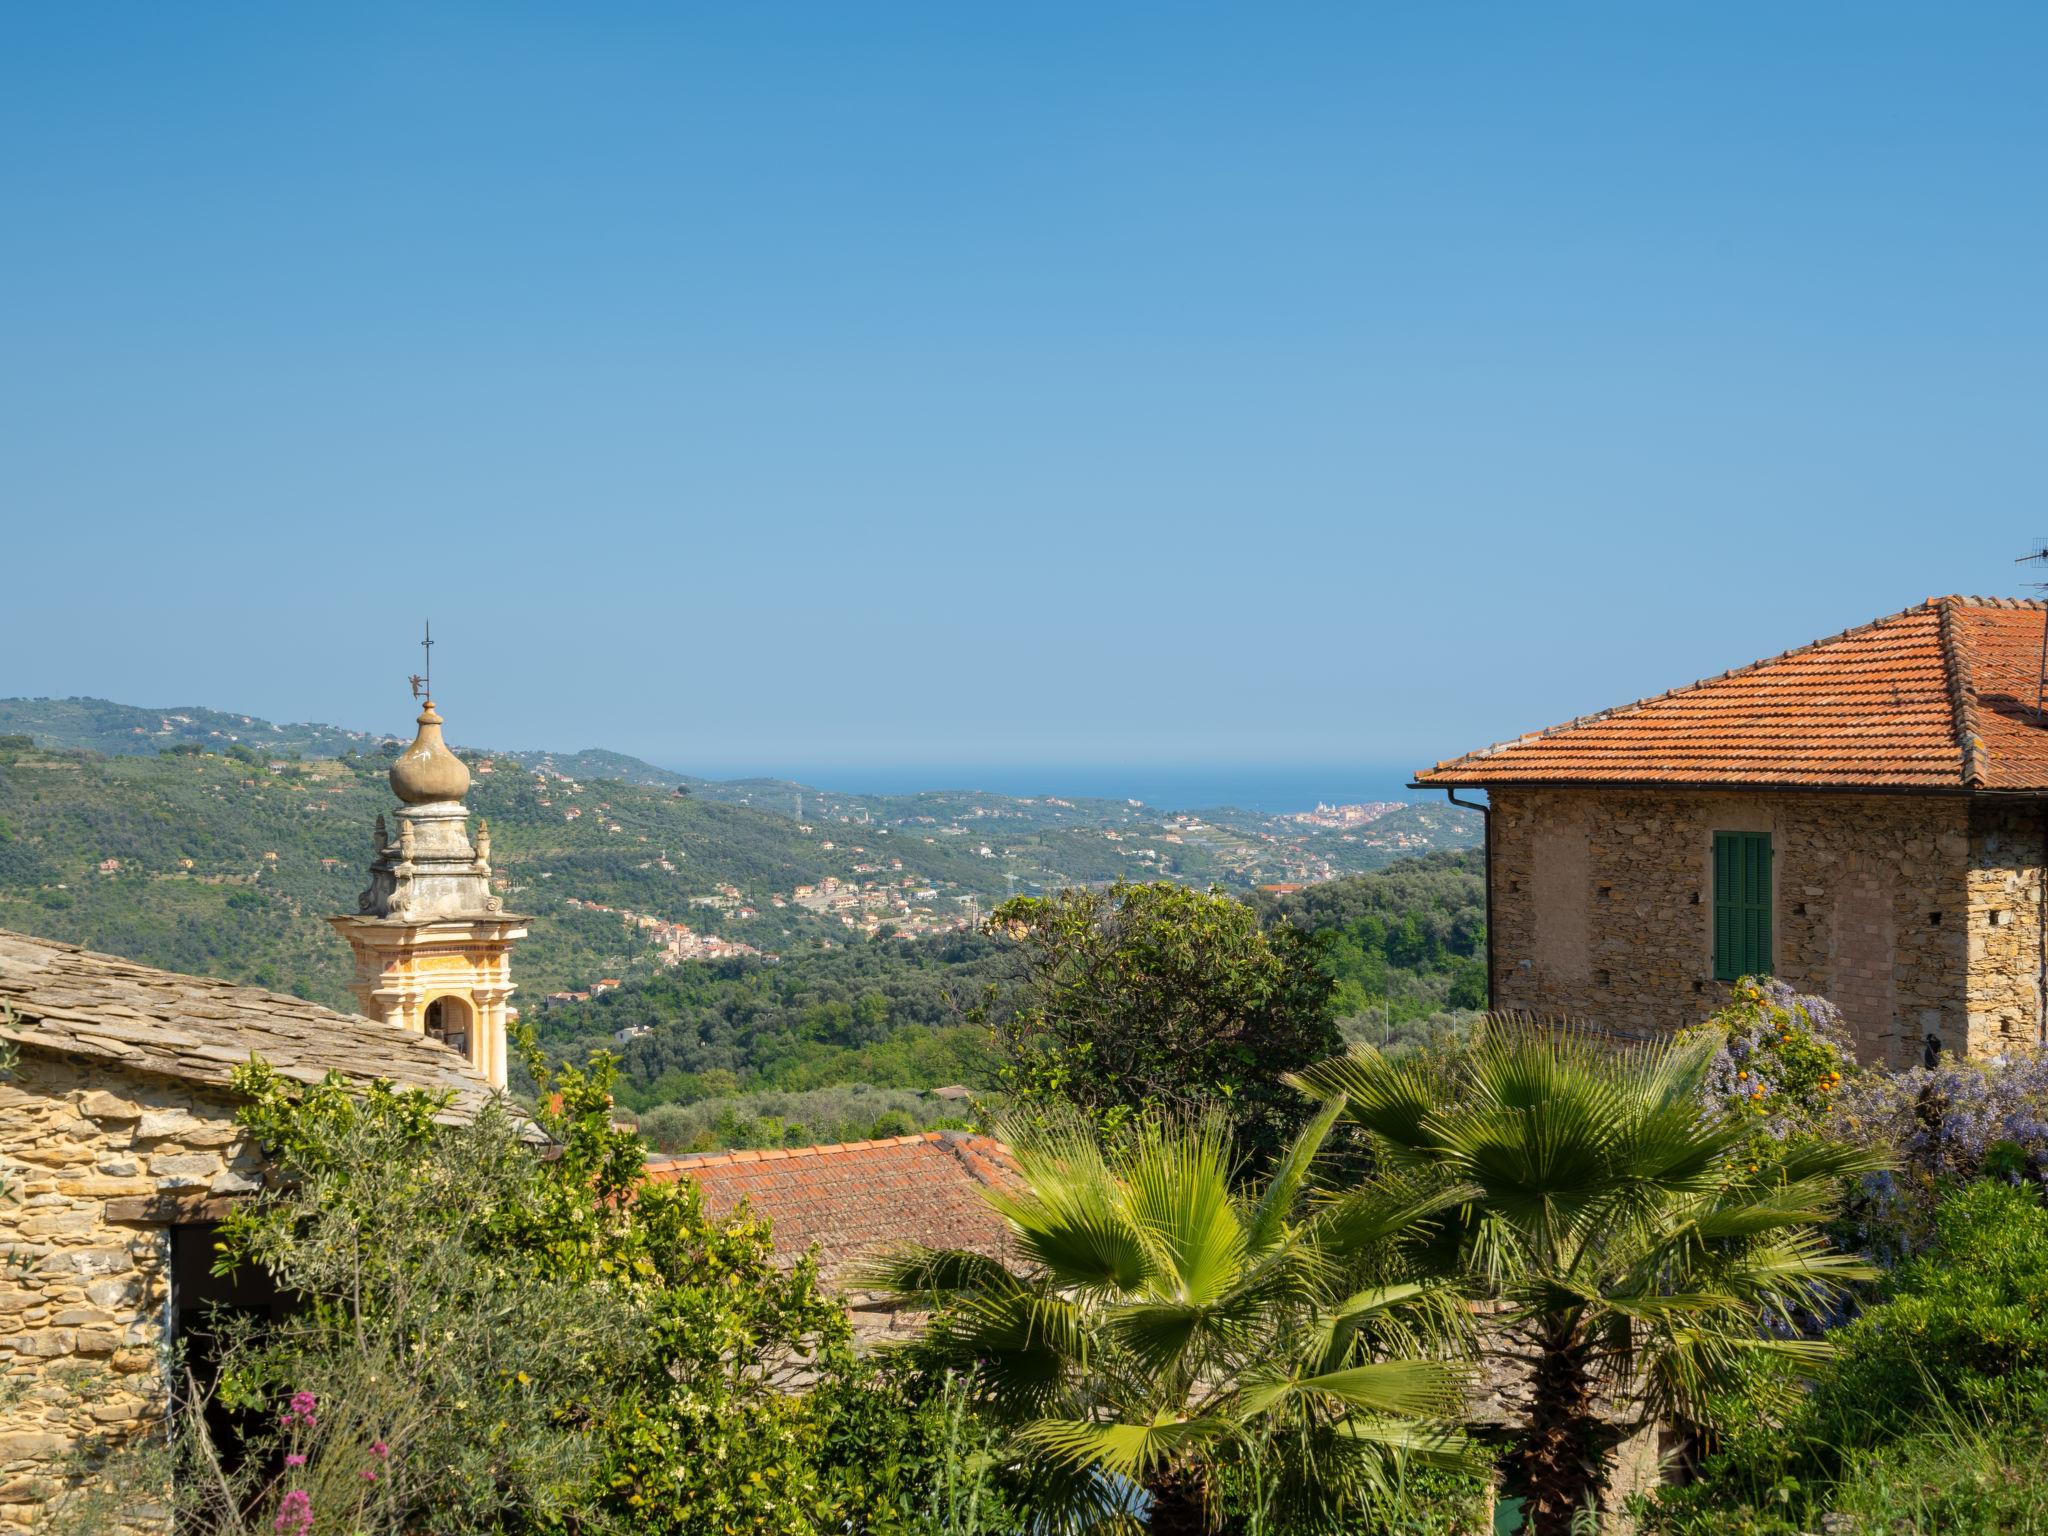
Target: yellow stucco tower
433,946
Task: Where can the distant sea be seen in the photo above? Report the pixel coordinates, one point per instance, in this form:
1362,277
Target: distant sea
1271,790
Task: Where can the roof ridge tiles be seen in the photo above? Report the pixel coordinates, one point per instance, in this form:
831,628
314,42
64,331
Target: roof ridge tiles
1959,662
688,1160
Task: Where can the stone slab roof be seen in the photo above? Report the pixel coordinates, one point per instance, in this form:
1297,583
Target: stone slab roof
63,998
1942,697
860,1198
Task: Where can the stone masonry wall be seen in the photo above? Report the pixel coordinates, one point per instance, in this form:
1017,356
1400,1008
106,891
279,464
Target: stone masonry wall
99,1159
1875,905
2008,850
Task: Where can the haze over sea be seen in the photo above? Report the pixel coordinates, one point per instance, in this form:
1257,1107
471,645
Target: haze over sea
1272,789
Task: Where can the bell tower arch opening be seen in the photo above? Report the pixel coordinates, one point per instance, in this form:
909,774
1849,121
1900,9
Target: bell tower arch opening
451,1020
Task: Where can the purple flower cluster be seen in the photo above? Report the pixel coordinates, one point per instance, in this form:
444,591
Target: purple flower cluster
1946,1121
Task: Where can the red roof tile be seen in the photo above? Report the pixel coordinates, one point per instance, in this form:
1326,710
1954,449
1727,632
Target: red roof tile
859,1198
1940,697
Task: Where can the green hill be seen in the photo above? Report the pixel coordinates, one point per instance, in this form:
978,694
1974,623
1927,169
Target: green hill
214,842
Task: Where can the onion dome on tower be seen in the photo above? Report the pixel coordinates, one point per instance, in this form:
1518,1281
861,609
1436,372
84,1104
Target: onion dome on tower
427,771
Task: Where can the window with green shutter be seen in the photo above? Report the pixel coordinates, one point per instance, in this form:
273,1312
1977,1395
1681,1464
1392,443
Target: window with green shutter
1742,905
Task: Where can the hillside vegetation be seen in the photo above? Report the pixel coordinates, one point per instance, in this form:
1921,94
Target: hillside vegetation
219,843
1405,947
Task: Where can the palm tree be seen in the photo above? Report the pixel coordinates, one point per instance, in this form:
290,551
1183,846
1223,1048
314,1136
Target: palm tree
1167,1329
1642,1254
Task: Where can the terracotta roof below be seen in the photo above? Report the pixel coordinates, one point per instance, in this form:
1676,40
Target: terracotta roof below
856,1199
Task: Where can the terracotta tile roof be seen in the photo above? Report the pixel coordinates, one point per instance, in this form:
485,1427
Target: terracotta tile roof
1940,697
860,1198
58,997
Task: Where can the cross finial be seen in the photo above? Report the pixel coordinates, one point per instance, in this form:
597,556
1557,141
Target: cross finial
423,681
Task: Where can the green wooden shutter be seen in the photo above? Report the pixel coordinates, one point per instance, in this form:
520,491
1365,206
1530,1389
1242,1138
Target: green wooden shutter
1742,905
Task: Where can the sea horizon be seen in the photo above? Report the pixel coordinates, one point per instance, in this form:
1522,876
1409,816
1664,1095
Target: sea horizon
1271,789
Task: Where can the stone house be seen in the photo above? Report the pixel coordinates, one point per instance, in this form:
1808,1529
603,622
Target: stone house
1865,817
117,1134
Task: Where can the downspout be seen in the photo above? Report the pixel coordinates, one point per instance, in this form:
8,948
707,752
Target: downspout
1486,817
2041,937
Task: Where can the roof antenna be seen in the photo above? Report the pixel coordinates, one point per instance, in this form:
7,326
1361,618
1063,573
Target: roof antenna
2041,675
423,682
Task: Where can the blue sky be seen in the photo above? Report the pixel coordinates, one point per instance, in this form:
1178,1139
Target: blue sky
778,386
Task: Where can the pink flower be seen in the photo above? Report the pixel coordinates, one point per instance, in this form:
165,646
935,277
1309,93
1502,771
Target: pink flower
379,1449
294,1512
369,1476
295,1460
299,1410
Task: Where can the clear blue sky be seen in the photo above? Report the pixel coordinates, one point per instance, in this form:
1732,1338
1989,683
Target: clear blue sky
788,386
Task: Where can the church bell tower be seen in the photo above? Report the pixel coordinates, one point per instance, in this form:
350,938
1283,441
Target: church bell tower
433,946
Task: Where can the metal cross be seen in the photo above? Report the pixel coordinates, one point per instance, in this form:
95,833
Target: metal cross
423,682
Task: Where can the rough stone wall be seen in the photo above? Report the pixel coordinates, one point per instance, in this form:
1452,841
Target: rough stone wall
99,1159
2006,959
1872,906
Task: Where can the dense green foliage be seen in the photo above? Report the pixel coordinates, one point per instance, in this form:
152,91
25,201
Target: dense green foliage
888,1013
1160,999
1622,1221
1403,943
1171,1330
850,1112
491,1340
911,1016
1951,1360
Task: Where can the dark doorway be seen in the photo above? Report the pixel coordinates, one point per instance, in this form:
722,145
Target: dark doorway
201,1303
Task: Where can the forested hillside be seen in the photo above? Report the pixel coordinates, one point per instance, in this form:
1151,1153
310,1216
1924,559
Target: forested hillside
1404,944
739,1038
184,848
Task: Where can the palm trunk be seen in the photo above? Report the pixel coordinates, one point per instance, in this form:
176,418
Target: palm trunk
1559,1464
1179,1504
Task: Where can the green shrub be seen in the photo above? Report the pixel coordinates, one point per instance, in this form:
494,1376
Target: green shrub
1954,1354
1964,1324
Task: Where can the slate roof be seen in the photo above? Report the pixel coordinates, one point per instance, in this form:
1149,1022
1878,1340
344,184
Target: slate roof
860,1198
63,998
1939,698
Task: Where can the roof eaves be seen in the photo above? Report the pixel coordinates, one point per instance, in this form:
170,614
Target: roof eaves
1724,786
1449,763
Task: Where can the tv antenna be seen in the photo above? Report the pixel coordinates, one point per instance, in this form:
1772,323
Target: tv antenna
423,681
2041,674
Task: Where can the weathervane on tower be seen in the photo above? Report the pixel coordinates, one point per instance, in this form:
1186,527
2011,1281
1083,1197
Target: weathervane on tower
423,682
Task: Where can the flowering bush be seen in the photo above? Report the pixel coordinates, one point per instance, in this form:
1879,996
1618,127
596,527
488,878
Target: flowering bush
1782,1060
1960,1120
